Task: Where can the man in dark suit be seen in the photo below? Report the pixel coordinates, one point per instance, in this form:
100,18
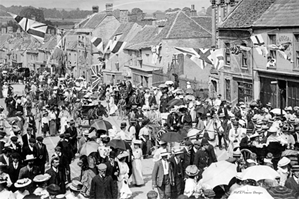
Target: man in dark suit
209,149
29,171
31,123
162,177
26,137
186,156
13,170
63,167
102,186
201,159
177,169
73,137
15,145
54,172
5,157
29,149
293,181
245,142
112,166
41,153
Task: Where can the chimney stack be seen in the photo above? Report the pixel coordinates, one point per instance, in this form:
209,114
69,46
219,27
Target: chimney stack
193,7
95,9
109,9
124,16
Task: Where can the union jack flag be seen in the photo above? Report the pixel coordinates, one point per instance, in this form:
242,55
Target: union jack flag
96,76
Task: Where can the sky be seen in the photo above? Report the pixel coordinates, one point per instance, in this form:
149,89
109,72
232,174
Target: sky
118,4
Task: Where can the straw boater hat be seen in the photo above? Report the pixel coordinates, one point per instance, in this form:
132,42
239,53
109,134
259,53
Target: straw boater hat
42,178
192,170
29,157
177,151
283,162
76,185
102,167
22,183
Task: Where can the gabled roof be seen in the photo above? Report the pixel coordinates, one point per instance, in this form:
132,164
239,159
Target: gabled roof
142,38
123,29
204,21
280,13
94,20
185,27
246,13
3,39
50,44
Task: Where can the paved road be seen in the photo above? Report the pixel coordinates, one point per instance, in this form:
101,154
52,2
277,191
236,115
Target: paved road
137,192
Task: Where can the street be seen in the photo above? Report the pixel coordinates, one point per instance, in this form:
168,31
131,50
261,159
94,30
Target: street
137,192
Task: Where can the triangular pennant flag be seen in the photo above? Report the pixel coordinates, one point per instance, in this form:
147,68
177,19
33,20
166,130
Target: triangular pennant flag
217,57
273,47
262,50
34,28
115,41
257,40
196,60
98,43
118,47
244,48
190,51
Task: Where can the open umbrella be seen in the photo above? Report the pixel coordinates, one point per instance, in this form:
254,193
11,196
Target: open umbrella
172,137
174,102
279,192
277,111
102,125
250,192
290,153
117,144
259,172
219,173
89,147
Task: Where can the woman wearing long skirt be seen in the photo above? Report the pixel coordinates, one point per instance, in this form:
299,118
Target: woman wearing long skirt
112,106
64,116
137,177
52,123
123,187
5,90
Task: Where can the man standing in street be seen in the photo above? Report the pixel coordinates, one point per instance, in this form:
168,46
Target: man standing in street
41,153
177,169
73,137
162,177
102,186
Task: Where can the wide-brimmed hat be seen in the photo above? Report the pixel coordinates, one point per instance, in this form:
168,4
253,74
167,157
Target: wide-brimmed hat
284,161
123,155
76,185
161,142
250,161
295,168
288,108
41,178
29,158
22,183
60,196
53,189
192,170
177,151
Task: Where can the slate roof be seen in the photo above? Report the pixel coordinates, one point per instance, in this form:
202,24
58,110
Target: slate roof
71,45
184,26
280,13
246,13
142,38
50,44
204,21
123,29
94,20
3,40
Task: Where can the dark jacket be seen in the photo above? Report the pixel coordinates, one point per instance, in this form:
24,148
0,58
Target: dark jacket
41,154
103,187
201,159
110,170
55,177
292,184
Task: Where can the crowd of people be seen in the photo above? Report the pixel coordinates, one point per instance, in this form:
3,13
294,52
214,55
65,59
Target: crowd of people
111,158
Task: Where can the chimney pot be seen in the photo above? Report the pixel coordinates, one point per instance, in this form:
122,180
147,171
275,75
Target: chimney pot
193,7
95,9
109,8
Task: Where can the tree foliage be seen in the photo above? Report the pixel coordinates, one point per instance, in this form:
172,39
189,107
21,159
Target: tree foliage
33,13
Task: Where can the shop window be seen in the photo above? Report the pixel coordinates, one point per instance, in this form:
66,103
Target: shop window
272,40
227,90
227,53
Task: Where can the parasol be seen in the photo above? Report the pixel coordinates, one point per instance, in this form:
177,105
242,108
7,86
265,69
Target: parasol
259,172
290,153
250,192
193,133
102,125
219,173
277,111
88,148
174,102
172,137
117,144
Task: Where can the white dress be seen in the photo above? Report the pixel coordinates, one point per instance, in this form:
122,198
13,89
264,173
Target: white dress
4,91
7,194
123,181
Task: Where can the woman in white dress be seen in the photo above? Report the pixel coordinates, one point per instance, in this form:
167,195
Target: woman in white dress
137,175
112,106
21,185
190,188
123,176
64,116
41,181
4,193
5,90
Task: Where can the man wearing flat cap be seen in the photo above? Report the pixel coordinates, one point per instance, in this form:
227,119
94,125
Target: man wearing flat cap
41,154
102,186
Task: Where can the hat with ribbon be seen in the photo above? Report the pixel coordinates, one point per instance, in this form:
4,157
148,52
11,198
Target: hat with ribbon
29,157
41,178
191,170
22,183
76,185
